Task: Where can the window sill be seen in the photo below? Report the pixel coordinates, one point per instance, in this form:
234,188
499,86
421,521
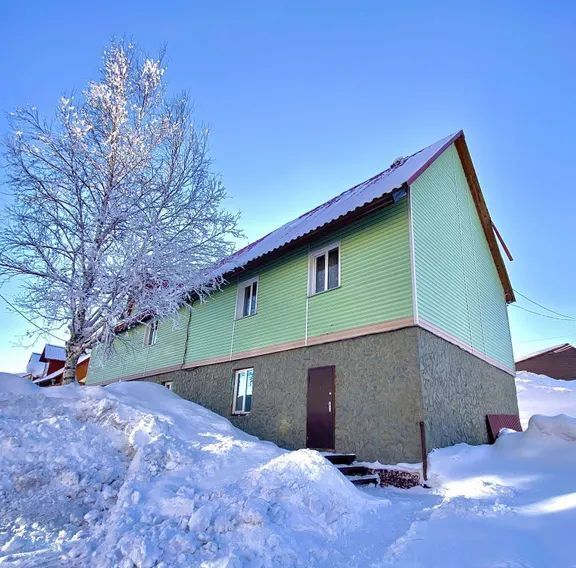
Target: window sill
240,413
324,292
246,317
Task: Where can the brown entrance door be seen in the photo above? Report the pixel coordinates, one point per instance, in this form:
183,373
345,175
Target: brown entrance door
320,415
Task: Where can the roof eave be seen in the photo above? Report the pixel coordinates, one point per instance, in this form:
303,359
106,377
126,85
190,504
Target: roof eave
378,203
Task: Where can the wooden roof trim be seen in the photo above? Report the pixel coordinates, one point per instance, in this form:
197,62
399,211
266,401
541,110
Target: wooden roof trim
484,215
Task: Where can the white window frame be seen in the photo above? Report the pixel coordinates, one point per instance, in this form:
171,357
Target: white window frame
312,268
168,384
151,333
240,297
237,373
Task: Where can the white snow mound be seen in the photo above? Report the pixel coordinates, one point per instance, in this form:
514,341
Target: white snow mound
561,426
15,384
131,474
539,394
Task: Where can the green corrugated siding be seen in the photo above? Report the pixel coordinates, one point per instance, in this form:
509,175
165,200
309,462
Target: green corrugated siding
375,287
375,274
457,285
281,314
211,326
130,355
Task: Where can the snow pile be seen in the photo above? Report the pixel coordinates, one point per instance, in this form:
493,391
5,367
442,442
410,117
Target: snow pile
539,394
131,475
512,504
14,383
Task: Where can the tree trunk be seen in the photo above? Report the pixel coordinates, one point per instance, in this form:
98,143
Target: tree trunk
69,375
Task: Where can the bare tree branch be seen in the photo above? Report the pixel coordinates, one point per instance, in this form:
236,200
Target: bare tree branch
117,214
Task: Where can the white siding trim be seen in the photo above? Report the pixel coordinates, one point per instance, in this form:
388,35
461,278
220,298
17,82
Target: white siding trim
412,259
463,345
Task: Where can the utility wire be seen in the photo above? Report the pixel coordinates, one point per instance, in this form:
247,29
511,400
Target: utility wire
543,315
30,321
565,337
544,307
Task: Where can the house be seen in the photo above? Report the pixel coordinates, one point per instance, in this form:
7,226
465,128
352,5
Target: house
348,327
47,368
558,362
56,377
54,356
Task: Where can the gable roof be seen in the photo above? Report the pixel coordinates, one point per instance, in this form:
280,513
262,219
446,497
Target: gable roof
53,353
35,367
554,349
385,187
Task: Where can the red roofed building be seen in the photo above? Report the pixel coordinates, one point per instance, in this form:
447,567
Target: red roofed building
558,362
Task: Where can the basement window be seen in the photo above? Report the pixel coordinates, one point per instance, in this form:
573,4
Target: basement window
247,298
151,333
168,384
324,269
243,379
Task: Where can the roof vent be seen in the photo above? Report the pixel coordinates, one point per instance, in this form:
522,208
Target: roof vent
398,161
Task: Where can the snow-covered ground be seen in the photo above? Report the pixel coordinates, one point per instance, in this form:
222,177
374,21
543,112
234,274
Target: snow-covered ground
539,394
132,475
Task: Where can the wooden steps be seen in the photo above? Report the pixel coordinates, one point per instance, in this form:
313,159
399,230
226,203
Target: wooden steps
345,463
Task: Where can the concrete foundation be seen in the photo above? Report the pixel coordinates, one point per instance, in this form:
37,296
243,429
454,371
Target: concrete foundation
385,385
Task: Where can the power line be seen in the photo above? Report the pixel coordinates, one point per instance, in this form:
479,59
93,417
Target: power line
544,307
30,321
543,315
566,337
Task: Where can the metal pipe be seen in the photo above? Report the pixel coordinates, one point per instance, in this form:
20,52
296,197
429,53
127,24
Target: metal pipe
424,451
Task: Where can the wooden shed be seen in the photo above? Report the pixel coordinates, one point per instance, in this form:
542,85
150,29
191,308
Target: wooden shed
558,362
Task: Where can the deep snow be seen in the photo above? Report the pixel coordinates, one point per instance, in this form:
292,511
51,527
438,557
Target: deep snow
132,475
539,394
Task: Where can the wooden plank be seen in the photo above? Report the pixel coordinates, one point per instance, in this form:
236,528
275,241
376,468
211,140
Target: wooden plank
484,215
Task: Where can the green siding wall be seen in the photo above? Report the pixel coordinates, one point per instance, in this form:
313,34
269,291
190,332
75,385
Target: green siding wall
375,287
375,274
129,354
457,285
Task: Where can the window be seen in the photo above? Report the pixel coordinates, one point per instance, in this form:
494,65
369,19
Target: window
151,334
247,298
242,391
325,269
168,384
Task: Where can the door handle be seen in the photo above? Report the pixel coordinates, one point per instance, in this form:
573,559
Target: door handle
330,406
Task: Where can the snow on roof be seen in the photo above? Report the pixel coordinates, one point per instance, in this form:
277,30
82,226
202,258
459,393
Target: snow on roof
555,348
35,367
53,353
402,171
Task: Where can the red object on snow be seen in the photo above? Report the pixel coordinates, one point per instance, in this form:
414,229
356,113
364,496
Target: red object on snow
495,423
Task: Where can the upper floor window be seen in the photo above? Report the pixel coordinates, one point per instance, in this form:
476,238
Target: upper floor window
151,334
247,298
325,269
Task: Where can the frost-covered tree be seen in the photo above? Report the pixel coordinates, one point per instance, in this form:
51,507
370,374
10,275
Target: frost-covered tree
116,214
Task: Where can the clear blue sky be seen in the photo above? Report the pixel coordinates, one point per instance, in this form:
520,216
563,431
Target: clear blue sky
305,99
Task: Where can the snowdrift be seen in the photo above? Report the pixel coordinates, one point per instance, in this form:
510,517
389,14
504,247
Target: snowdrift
131,474
539,394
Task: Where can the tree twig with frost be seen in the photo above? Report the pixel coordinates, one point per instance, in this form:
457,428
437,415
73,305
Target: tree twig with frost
116,213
